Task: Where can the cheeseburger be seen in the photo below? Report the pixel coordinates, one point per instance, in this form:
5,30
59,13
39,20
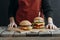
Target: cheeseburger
25,25
38,23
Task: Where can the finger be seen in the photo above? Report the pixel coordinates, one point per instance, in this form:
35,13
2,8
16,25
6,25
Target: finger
9,25
55,27
50,26
47,26
12,25
15,25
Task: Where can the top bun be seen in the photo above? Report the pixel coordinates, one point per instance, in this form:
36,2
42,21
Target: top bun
25,22
39,19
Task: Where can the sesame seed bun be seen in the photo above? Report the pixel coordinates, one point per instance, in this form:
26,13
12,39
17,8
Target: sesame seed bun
38,19
25,22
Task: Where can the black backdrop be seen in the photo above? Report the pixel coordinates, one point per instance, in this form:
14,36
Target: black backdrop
4,4
4,12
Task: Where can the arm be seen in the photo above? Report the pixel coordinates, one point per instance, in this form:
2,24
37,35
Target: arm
12,8
12,12
47,9
48,13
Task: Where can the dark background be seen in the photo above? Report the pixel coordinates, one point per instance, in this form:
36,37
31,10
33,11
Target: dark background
4,4
4,12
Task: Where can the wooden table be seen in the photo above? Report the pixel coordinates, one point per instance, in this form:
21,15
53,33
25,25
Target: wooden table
45,33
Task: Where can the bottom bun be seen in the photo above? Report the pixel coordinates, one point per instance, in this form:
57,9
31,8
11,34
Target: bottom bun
38,27
26,28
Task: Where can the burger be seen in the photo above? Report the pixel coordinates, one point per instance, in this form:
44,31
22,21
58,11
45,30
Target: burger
25,25
39,23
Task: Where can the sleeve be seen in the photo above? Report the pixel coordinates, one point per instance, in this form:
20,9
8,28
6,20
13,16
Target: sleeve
47,9
12,8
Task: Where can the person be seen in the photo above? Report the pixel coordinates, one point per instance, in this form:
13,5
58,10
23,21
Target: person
27,10
51,9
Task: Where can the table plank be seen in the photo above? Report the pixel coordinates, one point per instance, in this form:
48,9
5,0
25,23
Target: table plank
16,34
7,33
34,32
2,29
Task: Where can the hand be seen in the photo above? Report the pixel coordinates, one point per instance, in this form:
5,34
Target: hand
12,23
50,24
